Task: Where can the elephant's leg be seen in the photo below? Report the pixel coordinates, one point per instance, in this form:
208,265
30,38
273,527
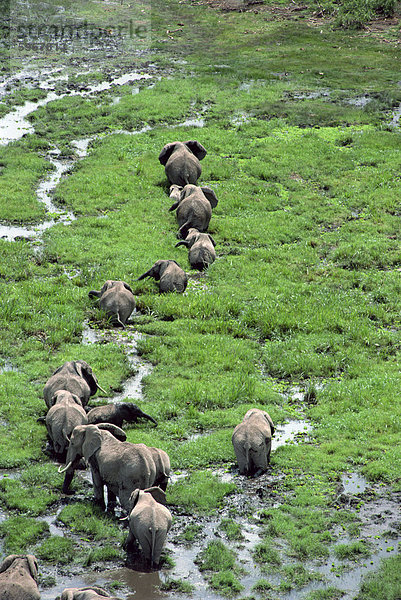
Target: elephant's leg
131,544
97,487
66,484
111,499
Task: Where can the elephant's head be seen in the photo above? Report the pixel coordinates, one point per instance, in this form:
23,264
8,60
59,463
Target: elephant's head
108,285
31,564
132,412
157,493
62,395
82,369
192,146
87,593
193,236
85,442
157,270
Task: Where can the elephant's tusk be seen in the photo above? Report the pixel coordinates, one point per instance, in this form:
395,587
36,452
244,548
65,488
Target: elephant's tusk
123,518
101,389
62,469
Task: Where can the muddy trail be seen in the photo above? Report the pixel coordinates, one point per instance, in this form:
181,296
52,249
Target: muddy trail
376,509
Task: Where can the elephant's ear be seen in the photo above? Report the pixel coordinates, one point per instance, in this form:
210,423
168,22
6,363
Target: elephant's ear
33,566
166,153
127,287
117,432
196,148
210,195
7,562
212,240
133,499
268,419
76,399
92,441
85,371
158,494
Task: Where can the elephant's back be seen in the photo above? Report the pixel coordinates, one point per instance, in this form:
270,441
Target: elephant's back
10,590
174,279
75,385
183,168
120,301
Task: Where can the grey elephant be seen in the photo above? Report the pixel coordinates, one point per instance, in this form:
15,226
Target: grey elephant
252,442
19,577
169,274
117,413
65,414
120,466
194,208
75,376
201,249
87,593
116,299
181,161
162,464
149,522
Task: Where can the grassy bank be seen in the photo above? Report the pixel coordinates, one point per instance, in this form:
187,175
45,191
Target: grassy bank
305,292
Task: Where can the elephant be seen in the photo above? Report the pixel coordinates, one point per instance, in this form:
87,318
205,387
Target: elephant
149,522
162,464
117,413
75,376
201,249
19,577
169,274
65,414
194,208
116,299
181,161
120,466
87,593
252,442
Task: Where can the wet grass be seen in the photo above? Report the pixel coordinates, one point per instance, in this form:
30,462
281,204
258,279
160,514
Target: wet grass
305,289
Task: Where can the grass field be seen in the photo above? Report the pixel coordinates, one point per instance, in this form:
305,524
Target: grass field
305,294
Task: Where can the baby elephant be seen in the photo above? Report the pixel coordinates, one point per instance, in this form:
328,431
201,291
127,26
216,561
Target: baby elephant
86,593
181,161
18,578
65,414
169,274
252,442
194,208
201,249
116,299
117,413
149,522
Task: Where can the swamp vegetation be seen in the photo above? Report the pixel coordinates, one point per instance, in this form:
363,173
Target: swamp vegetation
299,315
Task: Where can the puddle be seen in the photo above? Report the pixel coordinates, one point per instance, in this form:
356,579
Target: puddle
8,367
354,483
132,387
291,432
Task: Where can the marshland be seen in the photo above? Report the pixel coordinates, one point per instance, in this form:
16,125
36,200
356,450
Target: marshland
299,315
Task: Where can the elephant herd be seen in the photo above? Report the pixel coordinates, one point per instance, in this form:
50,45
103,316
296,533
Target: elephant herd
135,474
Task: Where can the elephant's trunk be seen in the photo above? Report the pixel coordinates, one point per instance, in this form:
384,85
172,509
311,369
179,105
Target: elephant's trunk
182,243
145,416
147,274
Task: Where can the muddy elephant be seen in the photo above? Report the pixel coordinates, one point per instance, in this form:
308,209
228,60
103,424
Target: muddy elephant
120,466
116,299
87,593
19,577
117,413
194,208
169,274
75,376
201,246
149,523
65,414
252,442
181,161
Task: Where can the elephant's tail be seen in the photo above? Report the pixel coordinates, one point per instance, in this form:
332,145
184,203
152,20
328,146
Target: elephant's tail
119,320
153,555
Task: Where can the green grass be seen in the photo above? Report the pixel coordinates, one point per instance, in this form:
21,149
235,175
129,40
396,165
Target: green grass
384,584
305,289
20,533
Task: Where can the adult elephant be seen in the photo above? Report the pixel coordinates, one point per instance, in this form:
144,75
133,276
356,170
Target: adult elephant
120,466
117,413
87,593
75,376
169,274
149,523
181,161
252,442
194,208
116,299
62,418
19,577
201,252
